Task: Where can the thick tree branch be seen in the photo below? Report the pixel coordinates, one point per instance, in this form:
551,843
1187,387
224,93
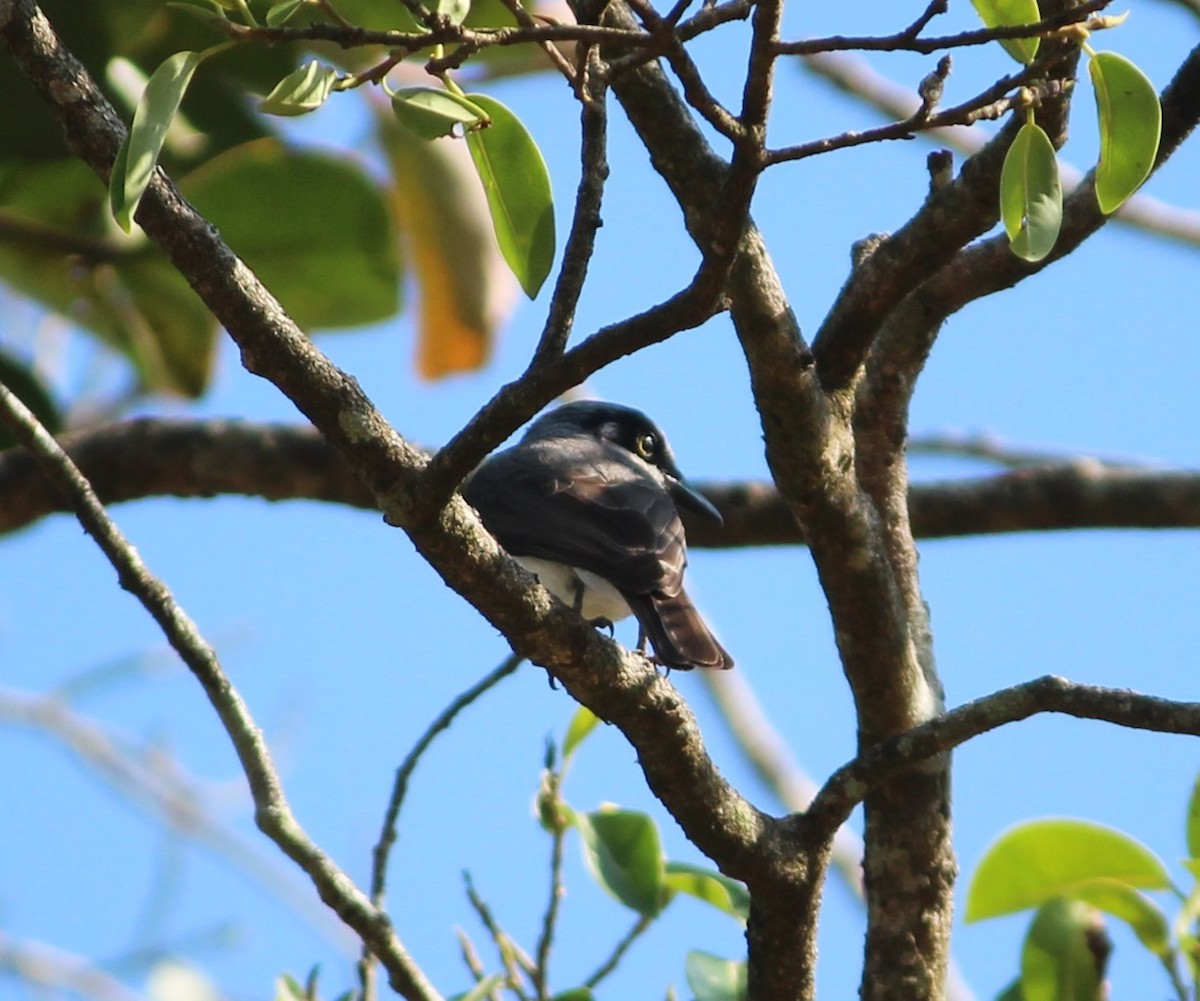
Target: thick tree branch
620,687
155,457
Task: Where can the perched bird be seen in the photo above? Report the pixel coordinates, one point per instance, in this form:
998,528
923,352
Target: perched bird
587,500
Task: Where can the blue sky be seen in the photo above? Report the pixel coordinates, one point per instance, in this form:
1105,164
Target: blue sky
345,644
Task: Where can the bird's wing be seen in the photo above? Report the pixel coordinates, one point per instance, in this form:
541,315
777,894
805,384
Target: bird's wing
587,509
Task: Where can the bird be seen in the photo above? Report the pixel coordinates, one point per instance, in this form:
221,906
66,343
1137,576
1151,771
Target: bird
589,501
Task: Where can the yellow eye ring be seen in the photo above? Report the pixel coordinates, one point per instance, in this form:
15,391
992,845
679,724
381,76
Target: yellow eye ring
645,445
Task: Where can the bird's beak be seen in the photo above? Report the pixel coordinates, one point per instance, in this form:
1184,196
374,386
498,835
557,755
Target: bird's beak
692,500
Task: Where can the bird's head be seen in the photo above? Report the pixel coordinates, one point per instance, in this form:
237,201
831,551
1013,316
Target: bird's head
631,430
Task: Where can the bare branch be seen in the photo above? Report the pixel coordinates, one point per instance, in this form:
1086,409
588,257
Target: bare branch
272,812
1048,694
161,786
618,686
908,40
387,836
44,967
855,76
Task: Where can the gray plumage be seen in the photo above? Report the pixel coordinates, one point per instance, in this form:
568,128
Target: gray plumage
588,500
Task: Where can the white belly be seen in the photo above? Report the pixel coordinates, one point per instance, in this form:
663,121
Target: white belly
600,599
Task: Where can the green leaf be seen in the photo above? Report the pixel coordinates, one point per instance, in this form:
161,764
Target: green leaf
1130,120
1011,993
303,90
622,850
455,10
1137,910
30,390
288,988
1193,821
517,185
1031,194
723,893
1058,961
207,11
432,112
1007,13
574,994
281,13
130,297
712,978
277,208
582,723
139,152
1041,859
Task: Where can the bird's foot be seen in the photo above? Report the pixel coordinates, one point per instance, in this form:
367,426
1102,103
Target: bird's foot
603,623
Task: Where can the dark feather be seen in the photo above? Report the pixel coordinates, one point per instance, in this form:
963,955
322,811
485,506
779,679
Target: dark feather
588,502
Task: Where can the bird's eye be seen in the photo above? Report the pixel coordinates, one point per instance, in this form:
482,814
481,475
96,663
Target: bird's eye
645,445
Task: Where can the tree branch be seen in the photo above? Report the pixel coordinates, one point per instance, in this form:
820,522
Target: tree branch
618,686
1049,694
154,457
272,813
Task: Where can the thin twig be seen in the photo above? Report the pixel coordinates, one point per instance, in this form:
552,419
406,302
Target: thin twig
855,76
541,970
695,90
272,812
987,105
161,786
622,947
906,40
512,955
526,20
387,836
585,220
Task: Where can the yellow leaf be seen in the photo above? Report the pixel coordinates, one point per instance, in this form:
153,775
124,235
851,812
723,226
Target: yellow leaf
465,288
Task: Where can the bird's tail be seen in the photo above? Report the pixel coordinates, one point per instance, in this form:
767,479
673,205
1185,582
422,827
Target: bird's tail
678,633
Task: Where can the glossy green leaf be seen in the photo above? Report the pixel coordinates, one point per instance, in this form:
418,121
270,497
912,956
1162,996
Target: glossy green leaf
1130,119
623,852
1031,194
27,387
1137,910
208,11
432,112
723,893
517,185
712,978
1007,13
574,994
281,13
1035,861
1058,961
315,228
303,90
582,723
139,152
